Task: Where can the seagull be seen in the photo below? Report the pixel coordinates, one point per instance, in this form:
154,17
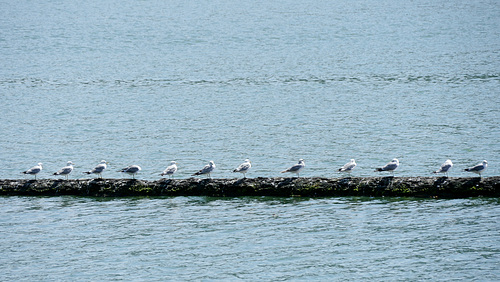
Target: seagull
170,170
445,167
296,168
206,169
98,169
391,166
244,167
348,167
480,167
65,170
34,170
131,169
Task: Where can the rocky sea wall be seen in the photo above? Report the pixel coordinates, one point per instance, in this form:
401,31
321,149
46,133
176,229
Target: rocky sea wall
423,187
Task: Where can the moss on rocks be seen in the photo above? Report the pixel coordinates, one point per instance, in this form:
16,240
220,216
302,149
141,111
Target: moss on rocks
441,187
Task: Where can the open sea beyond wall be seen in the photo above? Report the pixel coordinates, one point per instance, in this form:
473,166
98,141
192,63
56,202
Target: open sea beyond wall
147,82
256,239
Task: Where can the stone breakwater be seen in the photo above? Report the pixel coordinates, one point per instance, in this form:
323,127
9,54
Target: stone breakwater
423,187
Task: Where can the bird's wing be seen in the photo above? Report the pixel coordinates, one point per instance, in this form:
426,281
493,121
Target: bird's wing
295,167
242,167
348,166
65,170
390,166
170,169
445,167
99,168
33,170
477,167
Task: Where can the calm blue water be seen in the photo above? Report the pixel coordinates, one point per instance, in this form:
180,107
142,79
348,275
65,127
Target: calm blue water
147,82
153,81
263,239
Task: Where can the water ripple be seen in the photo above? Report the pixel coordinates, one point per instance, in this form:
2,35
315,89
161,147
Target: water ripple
149,82
198,238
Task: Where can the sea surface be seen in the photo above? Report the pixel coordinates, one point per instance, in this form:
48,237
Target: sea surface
147,82
255,239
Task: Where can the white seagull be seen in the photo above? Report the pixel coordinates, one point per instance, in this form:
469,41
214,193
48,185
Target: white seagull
131,169
65,170
98,169
447,165
348,167
170,170
34,170
244,168
296,168
206,169
480,167
391,166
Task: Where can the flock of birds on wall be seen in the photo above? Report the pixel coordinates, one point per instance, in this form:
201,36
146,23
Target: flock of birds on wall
244,168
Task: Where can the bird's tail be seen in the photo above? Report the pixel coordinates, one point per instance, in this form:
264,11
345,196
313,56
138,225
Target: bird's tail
87,172
379,169
55,173
340,169
466,169
284,171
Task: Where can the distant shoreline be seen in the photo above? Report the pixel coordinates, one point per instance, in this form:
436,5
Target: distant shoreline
419,187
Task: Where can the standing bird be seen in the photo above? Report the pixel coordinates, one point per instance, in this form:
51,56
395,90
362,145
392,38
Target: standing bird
98,169
131,169
170,170
244,168
296,168
34,170
391,166
480,167
65,170
206,169
348,167
445,167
